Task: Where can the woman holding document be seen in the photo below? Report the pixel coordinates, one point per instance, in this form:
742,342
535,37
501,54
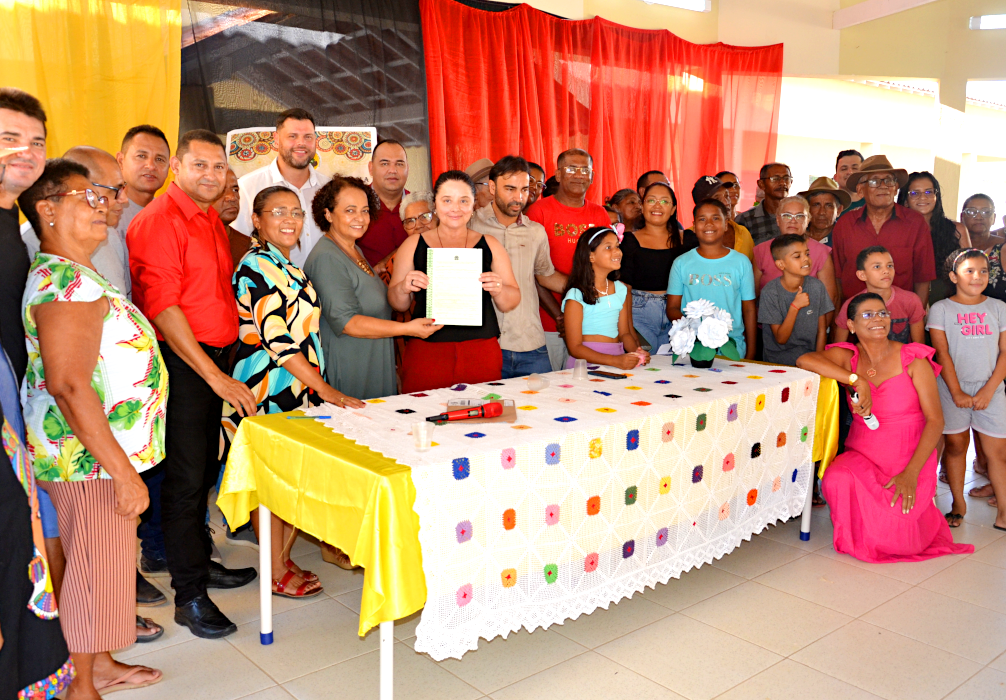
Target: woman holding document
460,279
356,325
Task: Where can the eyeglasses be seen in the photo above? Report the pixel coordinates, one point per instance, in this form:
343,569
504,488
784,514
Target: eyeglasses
92,197
283,213
729,185
482,184
118,193
776,179
877,183
535,185
915,194
413,220
787,217
870,315
662,202
574,170
971,211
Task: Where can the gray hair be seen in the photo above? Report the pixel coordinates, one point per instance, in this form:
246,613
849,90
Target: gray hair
794,199
412,198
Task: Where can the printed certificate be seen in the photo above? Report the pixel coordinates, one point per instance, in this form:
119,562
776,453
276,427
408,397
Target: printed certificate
454,295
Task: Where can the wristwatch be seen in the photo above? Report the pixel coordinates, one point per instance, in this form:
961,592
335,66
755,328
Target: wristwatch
853,378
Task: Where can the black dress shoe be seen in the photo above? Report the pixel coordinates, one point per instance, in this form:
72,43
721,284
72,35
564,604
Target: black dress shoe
147,595
204,618
222,577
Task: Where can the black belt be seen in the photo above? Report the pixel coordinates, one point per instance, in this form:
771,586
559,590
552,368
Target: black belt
214,352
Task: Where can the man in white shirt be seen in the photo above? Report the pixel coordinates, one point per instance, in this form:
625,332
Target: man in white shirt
110,258
143,159
296,140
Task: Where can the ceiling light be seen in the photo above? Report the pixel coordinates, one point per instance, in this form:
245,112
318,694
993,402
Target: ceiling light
988,22
696,5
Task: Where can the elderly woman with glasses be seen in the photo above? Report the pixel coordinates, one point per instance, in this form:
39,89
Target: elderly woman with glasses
979,216
881,488
95,391
793,216
279,353
417,213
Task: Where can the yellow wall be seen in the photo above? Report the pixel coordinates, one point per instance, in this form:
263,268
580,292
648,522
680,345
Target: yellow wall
697,27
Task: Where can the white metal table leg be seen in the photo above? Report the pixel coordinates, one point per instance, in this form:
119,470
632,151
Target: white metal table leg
265,573
387,660
808,507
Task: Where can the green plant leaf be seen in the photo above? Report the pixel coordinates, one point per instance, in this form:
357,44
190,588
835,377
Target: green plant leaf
729,350
125,414
701,352
54,425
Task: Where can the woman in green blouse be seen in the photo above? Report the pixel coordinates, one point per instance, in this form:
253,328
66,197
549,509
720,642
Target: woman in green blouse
356,325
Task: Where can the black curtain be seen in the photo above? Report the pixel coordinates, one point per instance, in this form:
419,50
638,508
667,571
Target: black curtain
348,62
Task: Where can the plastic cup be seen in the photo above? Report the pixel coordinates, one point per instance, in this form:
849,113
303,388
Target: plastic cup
536,382
422,435
580,369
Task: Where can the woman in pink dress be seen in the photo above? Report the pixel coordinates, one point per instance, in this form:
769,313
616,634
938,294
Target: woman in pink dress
881,488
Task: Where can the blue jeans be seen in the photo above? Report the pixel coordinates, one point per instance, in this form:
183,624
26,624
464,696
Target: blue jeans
521,364
649,316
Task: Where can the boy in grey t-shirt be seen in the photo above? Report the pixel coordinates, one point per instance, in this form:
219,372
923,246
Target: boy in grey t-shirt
791,309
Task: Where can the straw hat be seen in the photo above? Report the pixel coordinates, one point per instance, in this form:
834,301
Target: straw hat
479,170
825,185
877,164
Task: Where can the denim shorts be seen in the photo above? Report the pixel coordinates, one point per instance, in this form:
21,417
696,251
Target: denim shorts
649,316
47,513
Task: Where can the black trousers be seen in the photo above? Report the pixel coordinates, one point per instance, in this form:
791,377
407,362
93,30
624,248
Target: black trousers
191,466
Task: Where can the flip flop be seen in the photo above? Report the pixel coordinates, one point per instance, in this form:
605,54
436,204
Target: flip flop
998,528
980,491
954,520
148,624
122,682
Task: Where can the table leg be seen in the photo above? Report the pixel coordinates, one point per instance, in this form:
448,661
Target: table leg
387,660
265,573
808,508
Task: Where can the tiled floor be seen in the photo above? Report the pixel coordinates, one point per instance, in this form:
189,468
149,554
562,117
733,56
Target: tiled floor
777,618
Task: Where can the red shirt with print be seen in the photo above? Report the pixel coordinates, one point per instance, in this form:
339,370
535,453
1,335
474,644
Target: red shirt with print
563,225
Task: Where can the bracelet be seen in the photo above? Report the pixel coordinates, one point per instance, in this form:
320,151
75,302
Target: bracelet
793,305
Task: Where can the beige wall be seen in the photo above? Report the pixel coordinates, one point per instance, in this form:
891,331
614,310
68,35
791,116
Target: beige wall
696,27
811,46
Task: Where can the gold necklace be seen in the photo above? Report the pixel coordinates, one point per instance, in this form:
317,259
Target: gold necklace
872,372
360,262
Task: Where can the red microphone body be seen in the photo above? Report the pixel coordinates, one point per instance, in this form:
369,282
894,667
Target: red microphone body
488,410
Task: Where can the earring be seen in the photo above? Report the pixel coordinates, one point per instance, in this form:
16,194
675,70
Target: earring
52,223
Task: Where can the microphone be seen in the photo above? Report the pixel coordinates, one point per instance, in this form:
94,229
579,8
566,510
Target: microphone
871,420
488,410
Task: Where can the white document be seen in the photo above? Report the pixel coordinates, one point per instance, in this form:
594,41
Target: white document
664,349
454,295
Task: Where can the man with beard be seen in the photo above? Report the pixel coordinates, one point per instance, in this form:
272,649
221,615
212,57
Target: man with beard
774,179
522,337
143,159
297,142
565,215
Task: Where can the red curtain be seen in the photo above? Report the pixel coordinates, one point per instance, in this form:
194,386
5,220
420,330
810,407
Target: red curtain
524,82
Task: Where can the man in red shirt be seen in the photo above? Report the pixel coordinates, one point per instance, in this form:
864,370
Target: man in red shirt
389,169
883,222
180,264
565,216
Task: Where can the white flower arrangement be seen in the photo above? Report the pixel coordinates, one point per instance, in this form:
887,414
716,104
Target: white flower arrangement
702,330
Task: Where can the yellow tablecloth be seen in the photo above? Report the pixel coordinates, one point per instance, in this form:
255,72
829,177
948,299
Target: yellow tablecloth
360,501
339,492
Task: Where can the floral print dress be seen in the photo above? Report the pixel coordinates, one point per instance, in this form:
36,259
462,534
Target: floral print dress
129,377
279,317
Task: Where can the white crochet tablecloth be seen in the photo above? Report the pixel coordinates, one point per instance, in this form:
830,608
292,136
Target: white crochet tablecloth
601,487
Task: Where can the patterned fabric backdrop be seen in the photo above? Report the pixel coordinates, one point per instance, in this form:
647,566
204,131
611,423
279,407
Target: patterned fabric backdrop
345,151
601,488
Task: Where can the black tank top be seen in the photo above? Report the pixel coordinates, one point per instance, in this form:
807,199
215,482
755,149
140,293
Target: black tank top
456,334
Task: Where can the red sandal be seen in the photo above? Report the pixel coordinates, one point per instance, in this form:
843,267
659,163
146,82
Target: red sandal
305,574
301,592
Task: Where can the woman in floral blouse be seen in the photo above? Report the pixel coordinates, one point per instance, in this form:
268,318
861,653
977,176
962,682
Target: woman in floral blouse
94,417
279,352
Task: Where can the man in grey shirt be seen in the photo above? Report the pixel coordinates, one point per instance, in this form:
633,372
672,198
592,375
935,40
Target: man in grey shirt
143,159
